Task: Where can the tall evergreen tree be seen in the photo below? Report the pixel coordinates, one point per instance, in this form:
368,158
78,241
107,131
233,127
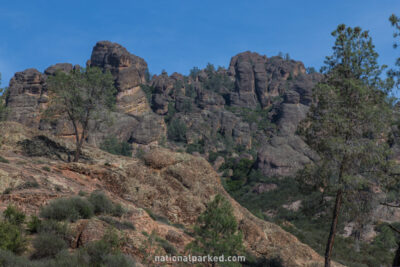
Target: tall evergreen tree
395,73
348,125
216,232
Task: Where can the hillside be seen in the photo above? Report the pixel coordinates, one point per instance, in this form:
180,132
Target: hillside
173,187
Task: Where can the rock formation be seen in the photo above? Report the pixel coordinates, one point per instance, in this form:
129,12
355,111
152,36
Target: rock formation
26,96
259,79
129,72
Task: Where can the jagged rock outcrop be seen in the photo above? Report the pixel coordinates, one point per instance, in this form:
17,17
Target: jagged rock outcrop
260,79
286,153
26,96
129,72
210,125
207,99
65,67
251,78
151,128
166,90
27,99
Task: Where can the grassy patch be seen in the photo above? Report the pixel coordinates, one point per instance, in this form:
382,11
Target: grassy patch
4,160
123,225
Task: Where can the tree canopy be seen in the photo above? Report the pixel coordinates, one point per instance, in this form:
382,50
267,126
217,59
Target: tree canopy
348,125
84,96
216,232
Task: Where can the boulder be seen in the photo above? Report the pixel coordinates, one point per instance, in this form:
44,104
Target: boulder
284,156
65,67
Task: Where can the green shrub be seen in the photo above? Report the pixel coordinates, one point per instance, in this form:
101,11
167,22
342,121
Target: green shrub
167,246
11,238
3,160
28,184
118,210
148,90
196,147
9,259
46,168
113,146
216,231
118,260
82,193
47,245
65,259
59,229
101,203
99,250
157,217
14,216
310,70
171,112
71,209
212,156
117,224
7,191
34,224
186,106
177,130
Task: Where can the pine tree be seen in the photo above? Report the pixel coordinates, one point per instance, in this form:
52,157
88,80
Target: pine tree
348,125
216,232
395,21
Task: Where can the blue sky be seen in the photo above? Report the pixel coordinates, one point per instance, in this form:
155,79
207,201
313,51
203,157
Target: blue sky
176,35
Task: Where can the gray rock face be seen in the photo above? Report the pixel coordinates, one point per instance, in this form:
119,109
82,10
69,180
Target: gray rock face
150,128
207,98
286,153
208,124
284,156
166,89
65,67
128,70
260,79
292,97
140,130
26,96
